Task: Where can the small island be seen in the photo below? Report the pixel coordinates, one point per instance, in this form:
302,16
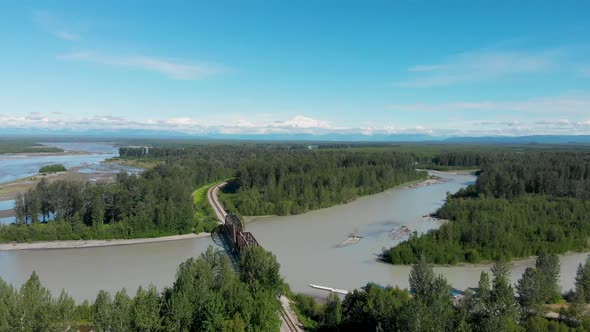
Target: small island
53,168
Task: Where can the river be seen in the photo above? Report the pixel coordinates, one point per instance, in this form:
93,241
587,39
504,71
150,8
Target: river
86,158
306,246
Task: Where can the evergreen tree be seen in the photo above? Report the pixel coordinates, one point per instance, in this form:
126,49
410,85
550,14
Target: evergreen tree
20,209
8,302
530,293
34,309
121,316
547,266
583,279
421,277
260,270
97,216
502,296
102,312
64,313
146,310
333,312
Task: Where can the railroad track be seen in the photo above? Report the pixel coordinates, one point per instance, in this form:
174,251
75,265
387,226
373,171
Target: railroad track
289,323
216,205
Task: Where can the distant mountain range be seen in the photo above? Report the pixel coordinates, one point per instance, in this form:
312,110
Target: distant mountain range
534,139
334,137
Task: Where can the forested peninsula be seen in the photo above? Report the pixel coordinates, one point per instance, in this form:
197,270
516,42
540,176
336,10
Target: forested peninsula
523,204
267,179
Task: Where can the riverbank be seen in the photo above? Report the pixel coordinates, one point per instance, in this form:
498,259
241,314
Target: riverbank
7,213
130,162
41,154
514,262
456,172
76,244
428,182
406,185
10,190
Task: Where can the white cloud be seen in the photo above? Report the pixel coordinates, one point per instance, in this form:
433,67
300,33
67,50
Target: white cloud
297,125
302,122
170,68
512,123
568,103
477,66
54,25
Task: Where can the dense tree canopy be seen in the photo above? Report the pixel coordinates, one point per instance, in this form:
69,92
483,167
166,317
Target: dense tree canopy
208,295
269,179
491,307
156,203
293,183
538,196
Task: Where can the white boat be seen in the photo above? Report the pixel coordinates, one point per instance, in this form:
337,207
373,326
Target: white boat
329,289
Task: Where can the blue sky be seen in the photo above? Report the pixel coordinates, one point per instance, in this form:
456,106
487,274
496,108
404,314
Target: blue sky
256,67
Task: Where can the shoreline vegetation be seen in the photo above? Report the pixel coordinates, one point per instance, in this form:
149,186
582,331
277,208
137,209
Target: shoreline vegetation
407,185
10,190
24,147
208,293
269,179
541,197
132,162
55,168
201,206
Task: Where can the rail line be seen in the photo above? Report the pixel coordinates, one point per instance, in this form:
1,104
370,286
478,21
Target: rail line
233,228
211,195
291,326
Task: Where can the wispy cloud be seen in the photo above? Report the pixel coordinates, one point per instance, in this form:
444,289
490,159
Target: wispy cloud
568,103
477,66
54,25
296,125
171,68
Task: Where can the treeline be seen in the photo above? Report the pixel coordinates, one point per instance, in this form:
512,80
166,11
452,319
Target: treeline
521,205
292,183
493,306
207,295
8,145
52,168
156,203
287,179
485,229
562,174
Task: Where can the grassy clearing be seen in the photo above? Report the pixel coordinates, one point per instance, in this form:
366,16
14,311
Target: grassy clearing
308,311
206,220
134,162
24,146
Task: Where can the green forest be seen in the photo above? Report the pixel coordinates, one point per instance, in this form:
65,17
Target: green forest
294,183
495,305
522,204
156,203
8,145
209,294
267,179
53,168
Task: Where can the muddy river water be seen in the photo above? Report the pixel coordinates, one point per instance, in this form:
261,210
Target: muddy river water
306,245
